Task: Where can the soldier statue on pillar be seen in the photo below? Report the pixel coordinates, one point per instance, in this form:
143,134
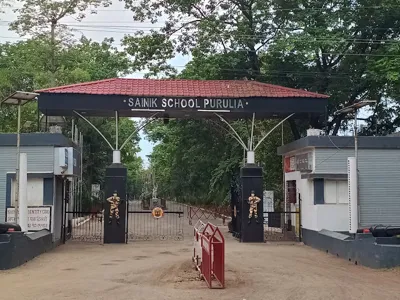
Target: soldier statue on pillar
253,202
114,201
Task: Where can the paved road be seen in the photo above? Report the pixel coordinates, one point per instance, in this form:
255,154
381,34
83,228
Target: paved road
162,270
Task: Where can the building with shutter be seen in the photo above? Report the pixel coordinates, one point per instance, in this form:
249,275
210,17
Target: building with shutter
47,181
317,182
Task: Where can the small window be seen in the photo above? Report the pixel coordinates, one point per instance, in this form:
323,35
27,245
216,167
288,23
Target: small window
319,191
342,192
330,192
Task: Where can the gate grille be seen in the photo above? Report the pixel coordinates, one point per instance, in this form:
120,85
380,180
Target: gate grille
141,225
84,226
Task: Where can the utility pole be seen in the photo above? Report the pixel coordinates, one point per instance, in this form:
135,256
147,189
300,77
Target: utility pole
53,51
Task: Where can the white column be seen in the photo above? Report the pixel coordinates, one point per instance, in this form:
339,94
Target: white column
22,191
353,194
116,157
250,157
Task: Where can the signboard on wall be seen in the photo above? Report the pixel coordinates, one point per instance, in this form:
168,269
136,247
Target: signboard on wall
39,217
290,164
268,203
300,162
304,162
96,190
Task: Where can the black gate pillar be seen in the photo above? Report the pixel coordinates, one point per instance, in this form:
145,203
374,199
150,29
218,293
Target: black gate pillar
251,229
115,184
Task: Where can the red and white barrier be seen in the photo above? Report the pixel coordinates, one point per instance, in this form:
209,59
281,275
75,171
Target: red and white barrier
197,232
211,261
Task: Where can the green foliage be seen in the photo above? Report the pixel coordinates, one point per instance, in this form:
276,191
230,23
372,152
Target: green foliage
98,155
197,160
226,66
189,163
206,27
36,17
346,49
336,49
25,66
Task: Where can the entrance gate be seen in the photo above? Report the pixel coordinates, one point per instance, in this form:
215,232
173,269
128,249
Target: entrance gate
141,223
170,99
153,224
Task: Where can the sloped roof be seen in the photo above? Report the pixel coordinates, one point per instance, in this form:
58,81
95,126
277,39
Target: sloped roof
182,88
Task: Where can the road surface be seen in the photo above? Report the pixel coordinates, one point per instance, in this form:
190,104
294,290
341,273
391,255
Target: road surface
159,270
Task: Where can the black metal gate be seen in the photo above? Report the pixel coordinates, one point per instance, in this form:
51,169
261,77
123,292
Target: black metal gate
81,222
142,224
283,225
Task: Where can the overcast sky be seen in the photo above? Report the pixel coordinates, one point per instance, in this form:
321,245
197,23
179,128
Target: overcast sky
114,21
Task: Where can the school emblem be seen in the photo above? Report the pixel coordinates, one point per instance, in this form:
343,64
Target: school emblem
157,212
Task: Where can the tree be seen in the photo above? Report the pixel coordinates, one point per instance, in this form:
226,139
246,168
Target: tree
205,26
24,66
330,47
333,51
198,160
4,4
41,18
98,155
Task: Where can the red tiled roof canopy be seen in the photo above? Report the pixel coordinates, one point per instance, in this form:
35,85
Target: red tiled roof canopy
182,88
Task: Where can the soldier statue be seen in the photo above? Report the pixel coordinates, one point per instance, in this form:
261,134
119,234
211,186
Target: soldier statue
253,202
114,204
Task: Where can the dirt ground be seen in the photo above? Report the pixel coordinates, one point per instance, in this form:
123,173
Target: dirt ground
163,270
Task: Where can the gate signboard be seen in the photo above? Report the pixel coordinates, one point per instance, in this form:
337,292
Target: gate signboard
39,217
268,199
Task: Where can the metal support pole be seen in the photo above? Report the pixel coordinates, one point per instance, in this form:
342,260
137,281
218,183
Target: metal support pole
95,128
355,138
252,133
81,185
116,130
16,204
73,130
356,163
283,171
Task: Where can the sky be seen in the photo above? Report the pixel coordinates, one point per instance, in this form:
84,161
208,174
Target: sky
114,21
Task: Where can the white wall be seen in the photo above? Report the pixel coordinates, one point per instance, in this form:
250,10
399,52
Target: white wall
34,191
330,216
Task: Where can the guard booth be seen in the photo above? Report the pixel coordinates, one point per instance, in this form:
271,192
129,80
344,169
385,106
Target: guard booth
221,100
53,163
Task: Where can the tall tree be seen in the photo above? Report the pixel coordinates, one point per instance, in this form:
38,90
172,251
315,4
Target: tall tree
323,46
24,66
205,26
41,18
332,47
198,160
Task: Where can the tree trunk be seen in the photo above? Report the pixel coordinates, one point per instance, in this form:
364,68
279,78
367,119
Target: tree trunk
295,130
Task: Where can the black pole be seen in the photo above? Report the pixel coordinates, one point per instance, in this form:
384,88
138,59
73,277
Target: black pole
45,128
300,227
38,119
127,220
63,217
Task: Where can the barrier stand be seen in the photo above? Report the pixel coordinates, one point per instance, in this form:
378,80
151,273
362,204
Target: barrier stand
212,256
197,232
